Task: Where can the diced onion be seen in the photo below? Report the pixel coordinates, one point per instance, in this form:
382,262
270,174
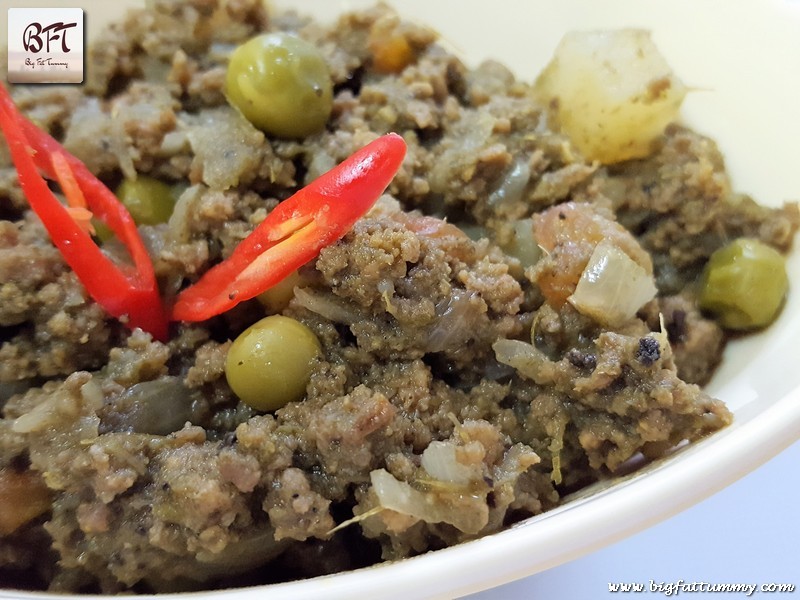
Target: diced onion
512,187
523,245
157,407
527,359
456,317
400,497
41,417
326,306
439,460
612,287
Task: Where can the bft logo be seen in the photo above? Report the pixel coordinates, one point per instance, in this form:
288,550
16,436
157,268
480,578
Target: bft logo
33,41
45,45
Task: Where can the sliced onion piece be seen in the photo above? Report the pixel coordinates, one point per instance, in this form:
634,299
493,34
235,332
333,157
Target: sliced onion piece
468,513
512,187
439,460
326,306
456,320
523,245
612,287
527,359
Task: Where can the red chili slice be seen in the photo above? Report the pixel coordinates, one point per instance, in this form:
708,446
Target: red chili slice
130,295
295,231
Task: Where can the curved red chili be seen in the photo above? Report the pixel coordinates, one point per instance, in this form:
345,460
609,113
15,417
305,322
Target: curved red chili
295,231
130,295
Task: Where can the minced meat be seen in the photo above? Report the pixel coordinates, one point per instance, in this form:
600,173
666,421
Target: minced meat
130,465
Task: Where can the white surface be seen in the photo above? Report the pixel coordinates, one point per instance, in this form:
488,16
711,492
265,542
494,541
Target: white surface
746,58
747,533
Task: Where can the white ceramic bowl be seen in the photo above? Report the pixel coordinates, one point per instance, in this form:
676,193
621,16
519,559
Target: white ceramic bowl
743,58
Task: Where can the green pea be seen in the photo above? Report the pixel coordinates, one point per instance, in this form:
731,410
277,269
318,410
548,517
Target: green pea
149,200
281,84
276,298
744,284
270,363
102,231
